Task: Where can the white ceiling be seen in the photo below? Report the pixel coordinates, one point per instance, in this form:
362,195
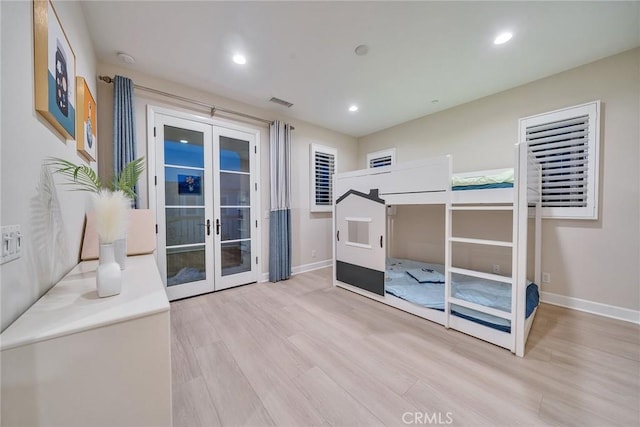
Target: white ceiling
303,52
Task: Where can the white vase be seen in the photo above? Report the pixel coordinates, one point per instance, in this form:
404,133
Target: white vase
120,248
108,274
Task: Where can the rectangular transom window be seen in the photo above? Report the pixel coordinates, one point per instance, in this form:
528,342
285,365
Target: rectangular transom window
324,161
381,158
565,143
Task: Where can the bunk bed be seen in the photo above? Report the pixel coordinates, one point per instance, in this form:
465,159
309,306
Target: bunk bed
493,307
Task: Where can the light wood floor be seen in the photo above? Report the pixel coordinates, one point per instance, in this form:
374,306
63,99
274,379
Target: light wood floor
302,352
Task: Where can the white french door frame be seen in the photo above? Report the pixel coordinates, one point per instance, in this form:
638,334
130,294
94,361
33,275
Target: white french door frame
224,282
195,287
256,199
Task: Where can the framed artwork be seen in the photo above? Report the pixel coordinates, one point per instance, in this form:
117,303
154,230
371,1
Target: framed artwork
54,70
86,128
189,184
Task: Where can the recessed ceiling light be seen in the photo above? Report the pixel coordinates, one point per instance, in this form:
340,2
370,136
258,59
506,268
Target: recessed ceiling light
503,38
239,59
184,141
353,108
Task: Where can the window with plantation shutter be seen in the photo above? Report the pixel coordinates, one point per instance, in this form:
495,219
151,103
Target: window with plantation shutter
324,162
381,158
565,143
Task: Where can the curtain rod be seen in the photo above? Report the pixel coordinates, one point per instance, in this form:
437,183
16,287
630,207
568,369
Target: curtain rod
213,108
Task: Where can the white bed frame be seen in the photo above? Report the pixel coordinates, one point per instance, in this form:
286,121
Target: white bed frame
428,181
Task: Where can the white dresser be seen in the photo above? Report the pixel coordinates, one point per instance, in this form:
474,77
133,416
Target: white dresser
74,359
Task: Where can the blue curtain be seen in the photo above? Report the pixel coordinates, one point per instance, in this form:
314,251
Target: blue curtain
280,217
124,127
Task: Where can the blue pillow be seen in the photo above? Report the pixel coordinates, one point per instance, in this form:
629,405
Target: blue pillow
426,275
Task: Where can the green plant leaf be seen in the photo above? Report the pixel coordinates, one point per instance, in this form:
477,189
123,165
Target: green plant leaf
85,179
82,176
128,177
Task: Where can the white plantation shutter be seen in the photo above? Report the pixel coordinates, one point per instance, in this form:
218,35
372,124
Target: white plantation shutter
323,166
562,148
324,169
381,158
380,161
565,143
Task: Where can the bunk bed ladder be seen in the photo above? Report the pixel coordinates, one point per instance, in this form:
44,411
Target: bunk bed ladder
447,262
519,257
449,268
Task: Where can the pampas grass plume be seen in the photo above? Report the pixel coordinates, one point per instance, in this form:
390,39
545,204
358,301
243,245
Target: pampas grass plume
111,214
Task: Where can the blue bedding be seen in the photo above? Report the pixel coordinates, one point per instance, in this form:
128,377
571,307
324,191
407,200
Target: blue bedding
400,284
480,291
483,186
426,275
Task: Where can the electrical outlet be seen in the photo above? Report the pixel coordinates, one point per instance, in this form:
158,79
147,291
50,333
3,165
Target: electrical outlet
546,277
496,268
11,242
313,253
6,244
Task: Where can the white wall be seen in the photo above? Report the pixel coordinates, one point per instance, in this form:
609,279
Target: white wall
52,230
310,231
597,261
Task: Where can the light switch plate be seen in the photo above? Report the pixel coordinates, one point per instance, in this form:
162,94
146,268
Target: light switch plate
12,242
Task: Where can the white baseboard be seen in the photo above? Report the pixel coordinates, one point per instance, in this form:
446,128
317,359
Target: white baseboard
600,309
312,266
304,268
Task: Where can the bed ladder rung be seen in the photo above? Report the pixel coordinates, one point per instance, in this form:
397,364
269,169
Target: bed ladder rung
482,208
482,242
480,308
482,275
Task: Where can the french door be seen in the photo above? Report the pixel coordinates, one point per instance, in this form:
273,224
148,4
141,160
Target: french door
206,205
233,204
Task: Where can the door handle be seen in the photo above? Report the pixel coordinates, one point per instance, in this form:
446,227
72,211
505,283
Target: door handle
338,235
208,226
380,241
217,226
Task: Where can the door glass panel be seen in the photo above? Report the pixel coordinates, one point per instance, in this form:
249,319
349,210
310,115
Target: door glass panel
234,181
235,189
183,187
185,265
183,147
234,154
236,257
185,226
235,223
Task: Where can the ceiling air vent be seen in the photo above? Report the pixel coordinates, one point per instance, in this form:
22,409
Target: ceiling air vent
280,101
